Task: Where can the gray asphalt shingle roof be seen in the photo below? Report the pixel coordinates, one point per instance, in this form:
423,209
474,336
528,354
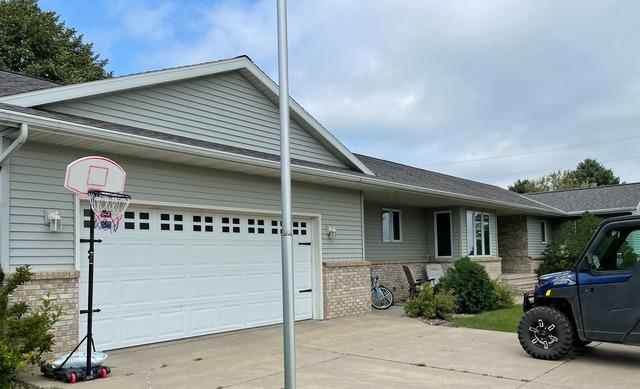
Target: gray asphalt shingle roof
164,136
409,175
385,170
592,199
12,83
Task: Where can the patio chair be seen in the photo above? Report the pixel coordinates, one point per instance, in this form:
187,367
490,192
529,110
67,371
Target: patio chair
414,284
434,273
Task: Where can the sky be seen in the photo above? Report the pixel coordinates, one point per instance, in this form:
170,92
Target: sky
487,90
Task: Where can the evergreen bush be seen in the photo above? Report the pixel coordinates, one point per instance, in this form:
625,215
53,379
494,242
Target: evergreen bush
471,285
24,333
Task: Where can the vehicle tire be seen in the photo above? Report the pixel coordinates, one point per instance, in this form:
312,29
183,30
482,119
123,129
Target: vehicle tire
381,302
545,333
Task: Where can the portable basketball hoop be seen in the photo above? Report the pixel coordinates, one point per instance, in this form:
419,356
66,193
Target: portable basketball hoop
102,181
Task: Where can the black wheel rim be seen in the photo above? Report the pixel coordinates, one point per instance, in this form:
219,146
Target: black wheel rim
543,334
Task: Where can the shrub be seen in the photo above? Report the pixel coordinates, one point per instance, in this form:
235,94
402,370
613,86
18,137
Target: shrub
430,304
24,334
504,297
567,242
471,286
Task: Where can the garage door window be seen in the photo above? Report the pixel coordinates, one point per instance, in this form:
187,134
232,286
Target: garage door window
255,226
171,222
202,223
132,220
231,225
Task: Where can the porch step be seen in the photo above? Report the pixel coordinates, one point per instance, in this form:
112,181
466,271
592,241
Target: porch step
520,283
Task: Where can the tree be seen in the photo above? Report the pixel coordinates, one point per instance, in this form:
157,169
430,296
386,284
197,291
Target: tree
594,173
587,173
36,43
525,186
567,242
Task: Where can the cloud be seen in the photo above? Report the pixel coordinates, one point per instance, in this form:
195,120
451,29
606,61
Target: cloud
428,82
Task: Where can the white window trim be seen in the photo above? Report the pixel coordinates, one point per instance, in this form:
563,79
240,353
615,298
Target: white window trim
435,232
543,238
491,252
391,230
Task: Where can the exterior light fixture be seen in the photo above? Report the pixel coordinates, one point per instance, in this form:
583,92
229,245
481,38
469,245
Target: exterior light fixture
331,232
53,220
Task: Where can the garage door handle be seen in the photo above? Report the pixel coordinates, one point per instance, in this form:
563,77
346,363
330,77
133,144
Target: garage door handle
304,244
305,290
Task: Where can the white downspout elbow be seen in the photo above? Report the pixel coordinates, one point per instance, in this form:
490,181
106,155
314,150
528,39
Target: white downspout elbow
15,146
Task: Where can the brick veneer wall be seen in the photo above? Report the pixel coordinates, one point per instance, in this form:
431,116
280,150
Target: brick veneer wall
513,244
392,276
62,287
347,288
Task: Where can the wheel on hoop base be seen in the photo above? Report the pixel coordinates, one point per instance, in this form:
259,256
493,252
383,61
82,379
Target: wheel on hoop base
72,378
104,373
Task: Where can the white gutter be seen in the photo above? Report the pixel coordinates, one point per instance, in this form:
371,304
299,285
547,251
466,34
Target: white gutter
81,130
15,146
606,210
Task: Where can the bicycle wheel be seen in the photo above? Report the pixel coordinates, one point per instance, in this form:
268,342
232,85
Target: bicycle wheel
381,298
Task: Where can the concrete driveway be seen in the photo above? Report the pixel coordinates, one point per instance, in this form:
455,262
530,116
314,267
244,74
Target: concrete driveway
382,350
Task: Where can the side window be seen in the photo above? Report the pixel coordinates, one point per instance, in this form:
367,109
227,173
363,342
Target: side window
617,250
543,231
391,225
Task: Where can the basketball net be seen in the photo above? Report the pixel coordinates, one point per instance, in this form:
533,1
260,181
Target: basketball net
108,209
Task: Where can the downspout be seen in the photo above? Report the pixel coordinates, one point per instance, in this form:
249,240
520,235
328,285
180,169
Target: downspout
15,146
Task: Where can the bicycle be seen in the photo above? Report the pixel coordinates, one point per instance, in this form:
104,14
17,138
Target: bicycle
381,297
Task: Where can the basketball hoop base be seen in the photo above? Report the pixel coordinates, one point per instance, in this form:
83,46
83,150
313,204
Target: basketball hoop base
71,375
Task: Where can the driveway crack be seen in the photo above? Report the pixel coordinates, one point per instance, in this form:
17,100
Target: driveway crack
340,356
524,380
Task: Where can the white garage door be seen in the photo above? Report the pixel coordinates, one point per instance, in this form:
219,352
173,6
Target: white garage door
169,274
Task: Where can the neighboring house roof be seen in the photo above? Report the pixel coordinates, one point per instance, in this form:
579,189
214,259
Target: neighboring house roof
243,64
601,199
408,175
12,83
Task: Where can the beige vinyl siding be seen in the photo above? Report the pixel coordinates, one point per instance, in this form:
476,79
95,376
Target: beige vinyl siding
224,109
534,237
36,184
455,225
493,225
413,232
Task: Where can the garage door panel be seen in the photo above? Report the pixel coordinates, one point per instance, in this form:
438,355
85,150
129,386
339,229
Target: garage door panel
138,292
173,256
257,283
172,324
185,275
203,287
231,316
205,256
172,290
138,328
203,320
258,313
107,328
231,285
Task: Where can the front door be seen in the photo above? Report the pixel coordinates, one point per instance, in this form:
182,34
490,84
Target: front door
609,285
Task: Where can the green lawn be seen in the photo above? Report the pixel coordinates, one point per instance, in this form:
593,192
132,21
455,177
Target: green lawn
505,320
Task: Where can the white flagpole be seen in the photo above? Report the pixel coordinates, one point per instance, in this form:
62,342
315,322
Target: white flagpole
285,189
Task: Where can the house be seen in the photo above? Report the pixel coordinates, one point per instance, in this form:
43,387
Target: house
524,238
198,249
